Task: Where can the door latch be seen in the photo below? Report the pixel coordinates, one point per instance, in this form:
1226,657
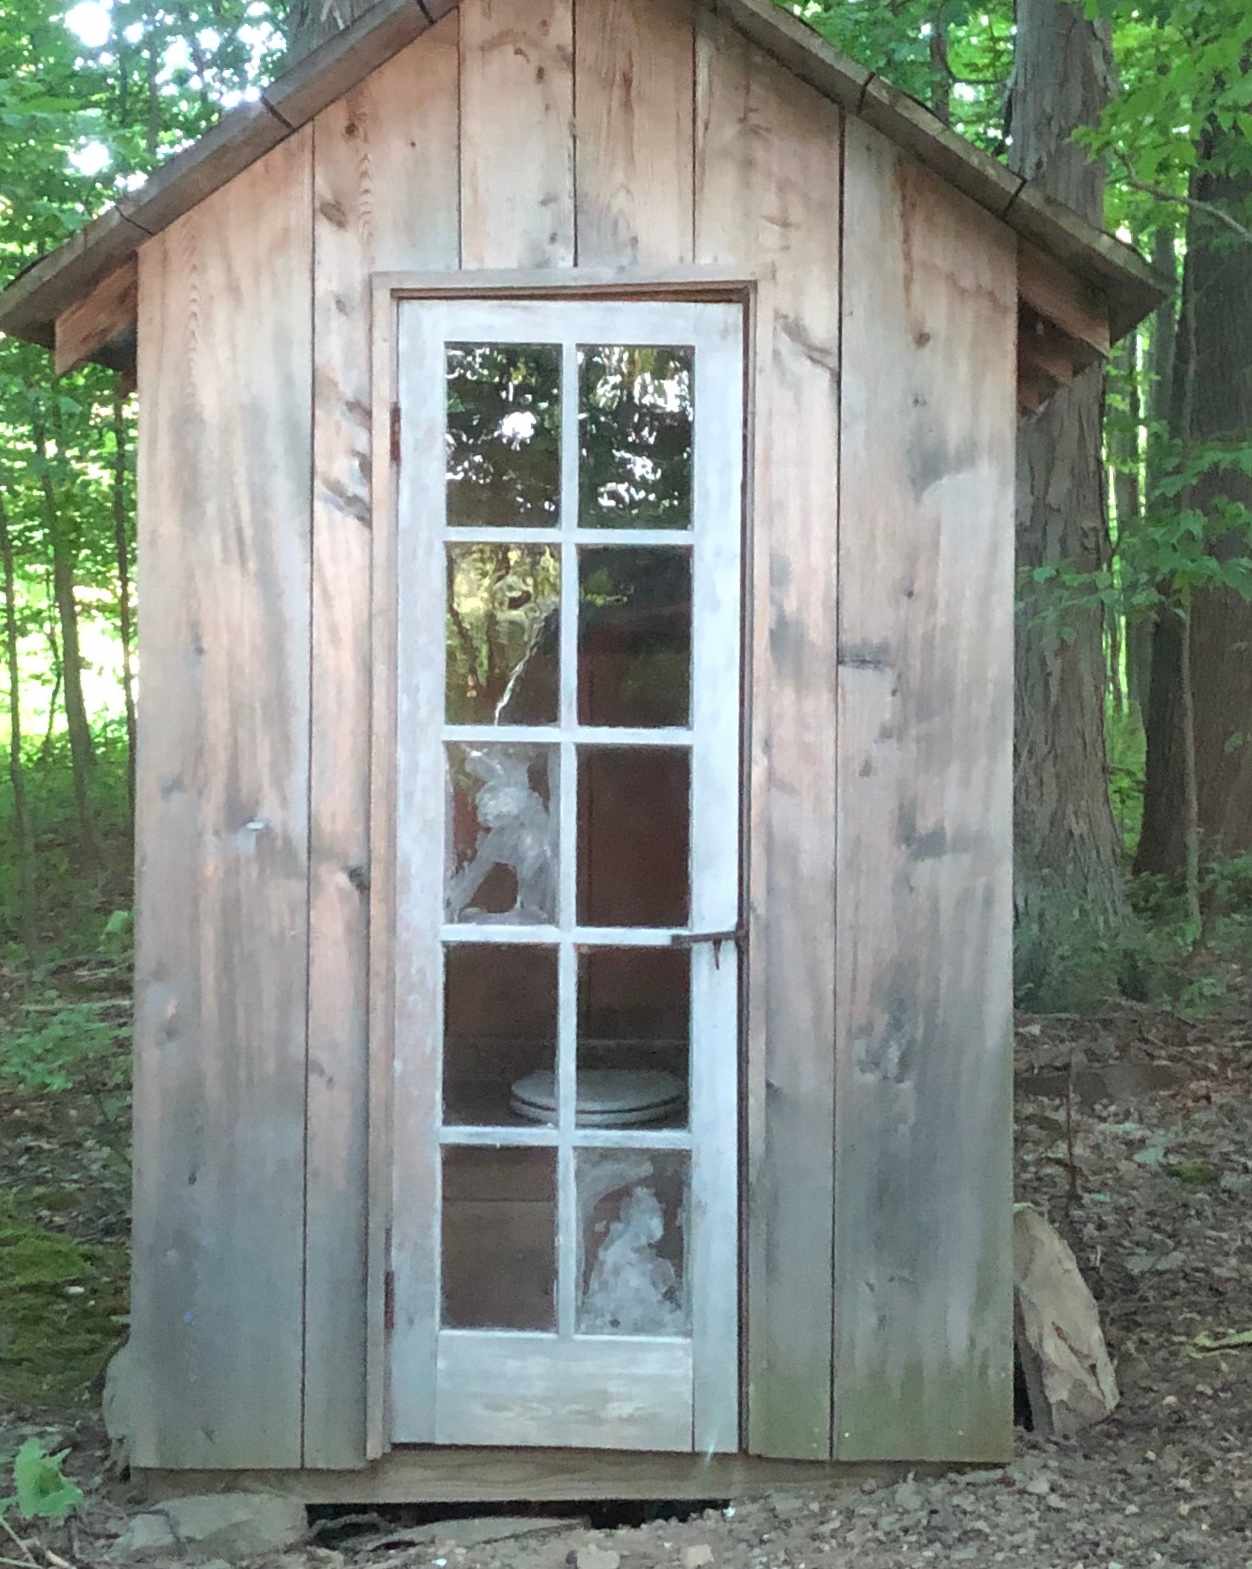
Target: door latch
736,934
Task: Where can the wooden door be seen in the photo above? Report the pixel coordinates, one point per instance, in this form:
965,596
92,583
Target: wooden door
565,1206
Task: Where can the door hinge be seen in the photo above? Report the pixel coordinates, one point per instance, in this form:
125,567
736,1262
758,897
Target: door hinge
389,1300
395,433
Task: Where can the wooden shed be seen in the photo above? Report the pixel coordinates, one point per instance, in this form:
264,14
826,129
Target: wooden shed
576,546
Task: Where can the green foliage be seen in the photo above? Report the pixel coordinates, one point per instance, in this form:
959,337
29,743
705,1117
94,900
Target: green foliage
43,1491
75,1045
1173,551
1198,983
968,75
1064,961
1127,748
72,904
1182,65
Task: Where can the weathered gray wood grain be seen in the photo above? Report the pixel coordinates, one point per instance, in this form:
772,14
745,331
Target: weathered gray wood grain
345,60
101,325
505,1475
224,459
767,184
384,197
517,133
176,186
923,1263
633,70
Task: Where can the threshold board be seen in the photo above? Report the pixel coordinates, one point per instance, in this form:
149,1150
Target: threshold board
420,1475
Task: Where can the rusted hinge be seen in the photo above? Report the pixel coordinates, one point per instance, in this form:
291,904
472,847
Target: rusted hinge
395,433
389,1300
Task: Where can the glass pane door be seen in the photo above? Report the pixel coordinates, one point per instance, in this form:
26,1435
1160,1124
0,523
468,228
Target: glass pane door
564,1235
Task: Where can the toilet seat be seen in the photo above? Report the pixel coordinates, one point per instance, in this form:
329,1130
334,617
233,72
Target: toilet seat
607,1097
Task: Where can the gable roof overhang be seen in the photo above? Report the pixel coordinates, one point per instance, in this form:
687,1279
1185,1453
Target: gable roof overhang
1080,289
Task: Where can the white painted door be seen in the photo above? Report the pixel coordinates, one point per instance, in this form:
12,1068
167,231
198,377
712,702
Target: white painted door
565,1218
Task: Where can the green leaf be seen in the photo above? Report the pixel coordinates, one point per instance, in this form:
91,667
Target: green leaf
43,1493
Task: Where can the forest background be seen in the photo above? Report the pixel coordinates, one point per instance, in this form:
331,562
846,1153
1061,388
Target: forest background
1133,758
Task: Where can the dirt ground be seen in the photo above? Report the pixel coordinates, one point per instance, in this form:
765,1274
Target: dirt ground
1157,1202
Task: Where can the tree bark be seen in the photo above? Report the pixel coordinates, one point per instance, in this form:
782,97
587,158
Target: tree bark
1067,852
940,71
1211,403
22,830
312,22
82,753
1123,443
1159,371
54,658
121,544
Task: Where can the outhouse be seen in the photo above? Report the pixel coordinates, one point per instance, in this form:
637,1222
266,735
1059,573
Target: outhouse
576,568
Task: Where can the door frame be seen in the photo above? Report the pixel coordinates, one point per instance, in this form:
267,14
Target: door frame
389,290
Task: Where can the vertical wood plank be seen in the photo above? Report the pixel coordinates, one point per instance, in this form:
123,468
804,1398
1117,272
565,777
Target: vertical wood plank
923,1258
716,856
225,449
382,911
633,90
517,133
767,194
385,197
415,613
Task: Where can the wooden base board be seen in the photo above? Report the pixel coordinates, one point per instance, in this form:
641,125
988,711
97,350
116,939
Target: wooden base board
481,1476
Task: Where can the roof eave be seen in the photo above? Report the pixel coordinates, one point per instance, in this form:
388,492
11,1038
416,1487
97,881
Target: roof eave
31,304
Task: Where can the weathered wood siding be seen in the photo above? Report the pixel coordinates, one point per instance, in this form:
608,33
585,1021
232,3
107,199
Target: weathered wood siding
767,200
224,457
923,1263
396,132
545,133
517,133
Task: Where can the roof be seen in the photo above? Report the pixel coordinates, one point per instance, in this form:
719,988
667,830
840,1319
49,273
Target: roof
31,304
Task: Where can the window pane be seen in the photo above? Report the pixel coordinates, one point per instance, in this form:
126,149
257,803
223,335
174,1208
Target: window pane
634,428
634,1008
632,1242
502,634
634,636
502,840
504,434
633,807
499,1029
499,1238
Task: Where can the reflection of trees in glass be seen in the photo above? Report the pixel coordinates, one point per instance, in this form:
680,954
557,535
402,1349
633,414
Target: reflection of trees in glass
503,434
501,614
634,636
634,430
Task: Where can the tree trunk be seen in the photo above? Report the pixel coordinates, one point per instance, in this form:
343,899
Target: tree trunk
121,543
22,831
1123,443
1067,856
312,22
940,71
54,659
82,753
1212,402
1158,382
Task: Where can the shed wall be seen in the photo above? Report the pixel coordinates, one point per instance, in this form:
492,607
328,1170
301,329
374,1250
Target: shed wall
223,823
923,1258
253,1095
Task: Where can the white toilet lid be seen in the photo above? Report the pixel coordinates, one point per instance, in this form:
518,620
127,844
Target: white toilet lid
607,1097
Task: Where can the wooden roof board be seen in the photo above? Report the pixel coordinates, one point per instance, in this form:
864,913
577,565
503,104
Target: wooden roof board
31,303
